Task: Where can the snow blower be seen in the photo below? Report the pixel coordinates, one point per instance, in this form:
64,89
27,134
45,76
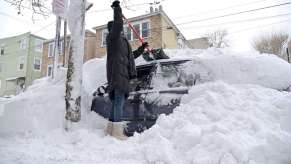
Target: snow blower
150,54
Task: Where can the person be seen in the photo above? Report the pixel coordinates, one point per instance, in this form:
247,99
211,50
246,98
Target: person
120,68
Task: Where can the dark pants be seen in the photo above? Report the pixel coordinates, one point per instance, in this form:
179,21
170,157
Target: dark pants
117,106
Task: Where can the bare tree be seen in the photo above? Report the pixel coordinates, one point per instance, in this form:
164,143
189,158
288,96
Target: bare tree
270,43
217,39
38,7
285,50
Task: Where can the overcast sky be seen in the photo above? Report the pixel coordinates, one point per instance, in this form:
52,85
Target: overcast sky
242,28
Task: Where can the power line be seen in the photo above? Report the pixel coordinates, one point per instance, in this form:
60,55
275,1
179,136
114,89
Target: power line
44,27
128,6
215,10
12,17
237,13
238,21
165,28
246,29
109,9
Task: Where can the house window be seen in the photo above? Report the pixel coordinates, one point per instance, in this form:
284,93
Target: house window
1,67
49,70
145,29
36,64
104,36
2,51
142,30
38,45
61,48
21,63
23,43
51,50
127,33
0,83
137,28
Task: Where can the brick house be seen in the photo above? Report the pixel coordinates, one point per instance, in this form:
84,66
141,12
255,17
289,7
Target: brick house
47,55
156,28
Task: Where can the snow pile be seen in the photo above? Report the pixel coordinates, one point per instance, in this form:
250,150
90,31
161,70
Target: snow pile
222,123
39,109
94,74
216,123
218,64
221,64
219,121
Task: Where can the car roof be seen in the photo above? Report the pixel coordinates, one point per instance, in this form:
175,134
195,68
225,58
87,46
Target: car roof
162,62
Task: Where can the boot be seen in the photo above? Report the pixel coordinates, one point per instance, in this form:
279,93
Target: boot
117,130
109,128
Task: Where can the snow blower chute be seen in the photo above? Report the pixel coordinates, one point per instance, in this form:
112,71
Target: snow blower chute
150,54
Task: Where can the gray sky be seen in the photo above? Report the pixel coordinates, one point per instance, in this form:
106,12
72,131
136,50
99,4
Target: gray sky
242,28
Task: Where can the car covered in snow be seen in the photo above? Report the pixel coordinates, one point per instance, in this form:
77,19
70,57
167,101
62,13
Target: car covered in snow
156,90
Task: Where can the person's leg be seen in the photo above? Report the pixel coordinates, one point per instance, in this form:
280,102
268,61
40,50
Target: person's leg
118,104
118,123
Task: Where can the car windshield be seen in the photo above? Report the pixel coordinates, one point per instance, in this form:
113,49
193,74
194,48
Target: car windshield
171,76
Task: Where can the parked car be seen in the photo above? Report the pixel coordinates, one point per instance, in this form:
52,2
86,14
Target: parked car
157,90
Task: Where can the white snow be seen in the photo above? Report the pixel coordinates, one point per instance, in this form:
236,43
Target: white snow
221,64
236,115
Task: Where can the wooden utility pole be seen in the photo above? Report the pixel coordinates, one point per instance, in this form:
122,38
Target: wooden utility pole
56,46
76,24
65,42
288,55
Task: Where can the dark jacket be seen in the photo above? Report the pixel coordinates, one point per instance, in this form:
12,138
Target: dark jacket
120,58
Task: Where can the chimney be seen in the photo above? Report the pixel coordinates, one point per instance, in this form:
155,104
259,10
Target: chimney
151,9
160,8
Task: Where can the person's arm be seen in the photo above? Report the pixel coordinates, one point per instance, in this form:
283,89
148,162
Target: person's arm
117,26
136,53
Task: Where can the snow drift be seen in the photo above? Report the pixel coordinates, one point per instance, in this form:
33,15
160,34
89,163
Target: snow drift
233,116
39,109
211,65
221,64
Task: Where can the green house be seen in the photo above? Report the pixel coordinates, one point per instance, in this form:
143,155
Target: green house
20,62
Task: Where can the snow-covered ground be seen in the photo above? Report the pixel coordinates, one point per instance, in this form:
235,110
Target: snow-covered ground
238,114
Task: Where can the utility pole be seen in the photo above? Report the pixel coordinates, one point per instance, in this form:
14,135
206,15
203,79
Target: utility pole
288,55
56,47
58,7
65,42
76,24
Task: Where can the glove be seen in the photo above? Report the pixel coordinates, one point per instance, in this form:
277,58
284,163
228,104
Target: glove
115,4
144,45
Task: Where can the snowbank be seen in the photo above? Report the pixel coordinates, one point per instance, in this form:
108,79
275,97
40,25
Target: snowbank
219,121
39,109
220,64
212,65
222,123
216,123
